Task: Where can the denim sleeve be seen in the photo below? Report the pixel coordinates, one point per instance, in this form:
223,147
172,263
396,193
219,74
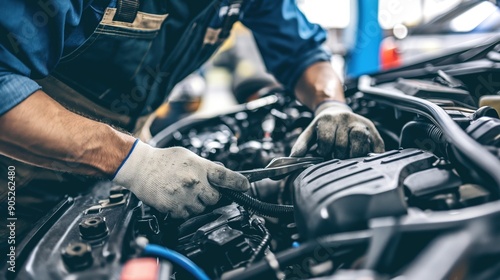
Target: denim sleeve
14,89
32,37
288,42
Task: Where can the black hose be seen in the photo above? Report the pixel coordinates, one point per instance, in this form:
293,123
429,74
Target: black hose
288,257
257,206
424,136
262,245
482,161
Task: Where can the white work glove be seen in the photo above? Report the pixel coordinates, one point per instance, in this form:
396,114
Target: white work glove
175,180
340,133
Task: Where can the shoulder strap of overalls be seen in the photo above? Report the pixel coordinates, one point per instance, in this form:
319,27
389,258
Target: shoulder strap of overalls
126,10
233,15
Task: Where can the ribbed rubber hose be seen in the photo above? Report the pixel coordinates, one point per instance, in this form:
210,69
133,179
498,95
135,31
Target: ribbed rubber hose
259,207
415,131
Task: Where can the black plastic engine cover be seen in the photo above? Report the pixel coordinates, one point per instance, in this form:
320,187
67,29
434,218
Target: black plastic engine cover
338,196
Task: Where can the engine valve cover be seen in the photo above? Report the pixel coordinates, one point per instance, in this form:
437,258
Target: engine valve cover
337,196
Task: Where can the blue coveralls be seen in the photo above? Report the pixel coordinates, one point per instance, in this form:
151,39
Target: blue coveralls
126,55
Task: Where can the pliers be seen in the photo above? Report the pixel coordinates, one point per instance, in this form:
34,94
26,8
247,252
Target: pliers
280,167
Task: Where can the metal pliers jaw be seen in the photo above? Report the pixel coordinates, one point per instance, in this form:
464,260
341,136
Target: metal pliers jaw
280,167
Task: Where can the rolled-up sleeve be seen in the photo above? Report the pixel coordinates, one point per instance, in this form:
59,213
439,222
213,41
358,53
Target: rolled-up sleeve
14,89
287,41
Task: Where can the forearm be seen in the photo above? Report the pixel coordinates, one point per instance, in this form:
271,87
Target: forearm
41,132
317,84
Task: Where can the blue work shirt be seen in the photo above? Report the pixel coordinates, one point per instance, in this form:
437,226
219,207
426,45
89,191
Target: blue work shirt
40,38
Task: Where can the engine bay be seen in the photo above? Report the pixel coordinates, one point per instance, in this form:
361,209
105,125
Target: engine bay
427,208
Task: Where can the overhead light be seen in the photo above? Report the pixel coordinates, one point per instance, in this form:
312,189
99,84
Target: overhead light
473,17
327,13
400,31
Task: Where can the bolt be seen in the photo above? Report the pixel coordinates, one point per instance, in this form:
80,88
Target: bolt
93,228
77,256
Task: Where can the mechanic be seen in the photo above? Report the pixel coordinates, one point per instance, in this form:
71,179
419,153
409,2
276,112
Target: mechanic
114,61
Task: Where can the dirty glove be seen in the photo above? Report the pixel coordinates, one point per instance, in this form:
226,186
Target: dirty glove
175,180
340,133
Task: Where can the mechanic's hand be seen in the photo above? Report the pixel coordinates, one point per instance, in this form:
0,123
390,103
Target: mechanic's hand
175,180
340,133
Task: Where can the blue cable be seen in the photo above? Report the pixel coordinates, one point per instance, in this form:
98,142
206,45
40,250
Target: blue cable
187,264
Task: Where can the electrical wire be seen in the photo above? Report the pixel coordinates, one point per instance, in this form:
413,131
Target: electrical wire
263,243
187,264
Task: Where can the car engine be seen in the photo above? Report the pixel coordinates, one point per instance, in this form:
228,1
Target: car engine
427,208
